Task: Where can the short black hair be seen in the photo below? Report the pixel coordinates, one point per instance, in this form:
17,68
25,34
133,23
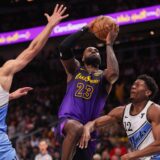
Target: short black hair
151,84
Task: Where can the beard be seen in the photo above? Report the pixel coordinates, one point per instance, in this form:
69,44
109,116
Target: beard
93,60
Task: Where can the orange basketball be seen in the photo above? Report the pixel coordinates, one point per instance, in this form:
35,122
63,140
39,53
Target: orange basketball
102,25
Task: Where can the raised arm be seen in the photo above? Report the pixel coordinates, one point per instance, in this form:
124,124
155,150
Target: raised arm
111,73
112,117
153,148
13,66
66,55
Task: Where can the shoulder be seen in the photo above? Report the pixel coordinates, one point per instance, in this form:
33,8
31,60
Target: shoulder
49,156
118,112
153,113
120,108
37,156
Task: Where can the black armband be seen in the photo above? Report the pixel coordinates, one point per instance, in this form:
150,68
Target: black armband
65,47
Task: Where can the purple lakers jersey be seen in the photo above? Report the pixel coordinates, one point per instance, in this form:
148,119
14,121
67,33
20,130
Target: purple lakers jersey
85,96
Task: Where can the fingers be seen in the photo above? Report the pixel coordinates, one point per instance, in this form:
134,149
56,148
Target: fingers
65,16
47,16
84,141
108,27
62,10
56,8
81,144
27,88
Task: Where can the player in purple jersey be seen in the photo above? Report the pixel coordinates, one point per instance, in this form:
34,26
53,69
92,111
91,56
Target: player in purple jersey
87,90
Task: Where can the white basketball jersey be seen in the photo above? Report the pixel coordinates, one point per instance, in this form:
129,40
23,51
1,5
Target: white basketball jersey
139,129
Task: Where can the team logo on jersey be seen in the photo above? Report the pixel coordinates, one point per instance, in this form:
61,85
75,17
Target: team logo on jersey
87,78
98,73
142,114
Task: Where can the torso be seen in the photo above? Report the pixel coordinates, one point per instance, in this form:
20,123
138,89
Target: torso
85,96
5,144
4,99
138,128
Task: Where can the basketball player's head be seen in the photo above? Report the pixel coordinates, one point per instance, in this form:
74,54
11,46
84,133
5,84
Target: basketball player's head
43,145
91,57
144,88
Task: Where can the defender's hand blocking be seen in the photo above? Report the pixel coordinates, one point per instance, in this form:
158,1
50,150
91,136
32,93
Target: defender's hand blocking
19,93
57,16
86,136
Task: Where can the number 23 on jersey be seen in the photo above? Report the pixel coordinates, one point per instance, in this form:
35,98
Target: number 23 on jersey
84,91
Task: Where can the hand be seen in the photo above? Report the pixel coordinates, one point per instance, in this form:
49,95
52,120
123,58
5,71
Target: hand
84,138
112,35
128,156
57,16
87,129
20,92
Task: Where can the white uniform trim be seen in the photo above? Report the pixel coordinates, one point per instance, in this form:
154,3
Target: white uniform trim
4,97
138,128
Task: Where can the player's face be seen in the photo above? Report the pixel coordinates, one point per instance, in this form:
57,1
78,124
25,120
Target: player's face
43,146
91,56
139,91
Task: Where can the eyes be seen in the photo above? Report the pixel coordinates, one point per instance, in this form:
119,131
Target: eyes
138,84
93,49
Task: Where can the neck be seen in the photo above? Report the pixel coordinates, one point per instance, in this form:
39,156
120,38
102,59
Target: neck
90,68
138,106
44,152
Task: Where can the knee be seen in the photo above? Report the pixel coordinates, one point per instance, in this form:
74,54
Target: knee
74,129
77,130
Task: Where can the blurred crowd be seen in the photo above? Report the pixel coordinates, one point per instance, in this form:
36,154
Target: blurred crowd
34,117
30,14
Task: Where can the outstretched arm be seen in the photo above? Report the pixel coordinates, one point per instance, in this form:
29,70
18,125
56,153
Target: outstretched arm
112,72
37,44
68,60
153,148
114,116
19,93
13,66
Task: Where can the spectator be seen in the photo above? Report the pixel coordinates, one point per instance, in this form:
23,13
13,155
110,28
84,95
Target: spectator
43,155
96,156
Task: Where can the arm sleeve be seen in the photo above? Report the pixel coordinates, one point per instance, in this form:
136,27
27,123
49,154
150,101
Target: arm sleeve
65,47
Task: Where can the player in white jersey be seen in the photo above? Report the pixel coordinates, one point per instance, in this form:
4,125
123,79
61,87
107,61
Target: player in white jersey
11,67
140,118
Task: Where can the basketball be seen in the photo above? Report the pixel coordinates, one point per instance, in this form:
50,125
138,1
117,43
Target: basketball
102,25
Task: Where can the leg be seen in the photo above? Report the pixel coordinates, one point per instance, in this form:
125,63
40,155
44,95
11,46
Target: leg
86,154
81,154
73,131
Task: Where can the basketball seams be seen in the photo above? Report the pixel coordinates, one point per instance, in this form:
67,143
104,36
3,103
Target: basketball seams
99,27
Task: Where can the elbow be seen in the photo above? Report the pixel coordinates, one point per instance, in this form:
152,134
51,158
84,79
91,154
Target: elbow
113,77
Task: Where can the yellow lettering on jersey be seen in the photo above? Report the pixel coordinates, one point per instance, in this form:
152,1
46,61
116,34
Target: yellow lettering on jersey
86,78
